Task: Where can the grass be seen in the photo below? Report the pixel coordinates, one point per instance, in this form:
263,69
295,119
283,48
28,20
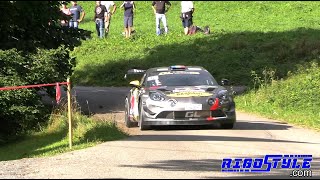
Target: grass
53,139
245,36
295,100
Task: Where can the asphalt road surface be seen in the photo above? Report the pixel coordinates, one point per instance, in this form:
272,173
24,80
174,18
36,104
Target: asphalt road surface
176,152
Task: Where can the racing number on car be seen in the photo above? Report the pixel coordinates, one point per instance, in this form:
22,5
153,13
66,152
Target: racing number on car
192,115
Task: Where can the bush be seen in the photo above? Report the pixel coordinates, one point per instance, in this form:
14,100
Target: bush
22,110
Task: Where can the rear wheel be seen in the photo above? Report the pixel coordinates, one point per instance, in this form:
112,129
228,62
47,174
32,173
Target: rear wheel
227,125
141,119
127,118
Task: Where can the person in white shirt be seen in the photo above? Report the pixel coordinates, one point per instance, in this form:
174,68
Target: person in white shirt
187,10
109,13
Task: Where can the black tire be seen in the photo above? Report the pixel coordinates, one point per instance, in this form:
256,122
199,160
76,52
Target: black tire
141,119
127,119
227,125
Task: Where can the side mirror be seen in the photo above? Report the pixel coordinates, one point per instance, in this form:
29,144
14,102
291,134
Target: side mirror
135,83
225,82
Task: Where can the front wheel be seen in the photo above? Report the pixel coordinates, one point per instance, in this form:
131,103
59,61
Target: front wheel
127,118
141,119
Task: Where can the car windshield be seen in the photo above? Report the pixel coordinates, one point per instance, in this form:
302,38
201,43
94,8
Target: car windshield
181,78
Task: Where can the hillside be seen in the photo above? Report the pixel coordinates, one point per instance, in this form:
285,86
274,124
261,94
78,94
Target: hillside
246,36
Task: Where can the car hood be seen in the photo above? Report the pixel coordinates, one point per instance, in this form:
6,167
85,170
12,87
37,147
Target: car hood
188,91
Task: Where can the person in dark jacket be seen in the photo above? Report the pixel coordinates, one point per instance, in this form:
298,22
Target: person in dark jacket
129,7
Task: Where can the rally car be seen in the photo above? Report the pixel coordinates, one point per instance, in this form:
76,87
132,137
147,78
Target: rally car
178,95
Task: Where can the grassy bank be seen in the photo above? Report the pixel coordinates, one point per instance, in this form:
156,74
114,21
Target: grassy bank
53,139
245,36
295,100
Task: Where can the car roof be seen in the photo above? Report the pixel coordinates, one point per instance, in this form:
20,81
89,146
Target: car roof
167,69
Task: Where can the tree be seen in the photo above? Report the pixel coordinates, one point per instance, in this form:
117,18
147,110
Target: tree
34,49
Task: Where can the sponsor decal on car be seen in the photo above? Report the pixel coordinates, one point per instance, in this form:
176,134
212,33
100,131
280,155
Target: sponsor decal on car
176,90
193,106
150,78
190,94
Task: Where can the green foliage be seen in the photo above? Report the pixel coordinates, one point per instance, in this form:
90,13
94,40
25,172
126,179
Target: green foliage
294,99
22,109
261,82
50,66
54,139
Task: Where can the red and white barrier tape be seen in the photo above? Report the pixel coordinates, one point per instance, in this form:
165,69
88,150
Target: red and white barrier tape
58,91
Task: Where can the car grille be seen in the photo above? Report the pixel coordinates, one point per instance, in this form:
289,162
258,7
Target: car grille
218,113
183,114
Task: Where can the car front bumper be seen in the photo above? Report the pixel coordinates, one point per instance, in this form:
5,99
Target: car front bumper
190,121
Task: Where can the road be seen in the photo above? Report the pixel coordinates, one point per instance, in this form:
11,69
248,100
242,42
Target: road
169,152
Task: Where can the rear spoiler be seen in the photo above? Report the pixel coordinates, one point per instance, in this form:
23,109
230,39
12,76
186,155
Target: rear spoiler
134,72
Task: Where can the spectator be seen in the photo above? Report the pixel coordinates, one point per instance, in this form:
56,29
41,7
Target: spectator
187,11
195,29
159,8
128,6
66,13
100,18
109,13
75,12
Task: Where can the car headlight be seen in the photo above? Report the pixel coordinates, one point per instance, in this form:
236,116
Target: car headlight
156,96
211,101
223,95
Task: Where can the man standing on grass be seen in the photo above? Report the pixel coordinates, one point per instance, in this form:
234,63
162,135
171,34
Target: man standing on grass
129,7
109,13
99,17
187,11
75,13
159,9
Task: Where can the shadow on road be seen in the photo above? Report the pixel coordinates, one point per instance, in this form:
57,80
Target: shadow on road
175,137
240,125
261,125
101,100
95,100
214,166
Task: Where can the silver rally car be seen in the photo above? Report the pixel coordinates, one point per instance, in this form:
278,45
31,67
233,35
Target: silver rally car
178,95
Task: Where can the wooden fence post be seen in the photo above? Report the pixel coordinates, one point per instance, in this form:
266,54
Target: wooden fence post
69,113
